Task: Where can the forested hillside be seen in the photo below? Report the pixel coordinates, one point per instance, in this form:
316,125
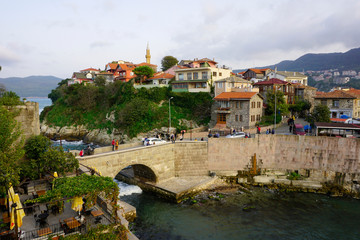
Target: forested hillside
33,86
121,106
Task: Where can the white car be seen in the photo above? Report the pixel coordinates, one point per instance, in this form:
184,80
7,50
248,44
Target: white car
153,141
236,135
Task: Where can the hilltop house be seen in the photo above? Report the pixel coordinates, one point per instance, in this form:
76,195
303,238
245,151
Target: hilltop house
237,109
341,102
81,77
275,84
255,75
199,76
292,77
160,79
233,84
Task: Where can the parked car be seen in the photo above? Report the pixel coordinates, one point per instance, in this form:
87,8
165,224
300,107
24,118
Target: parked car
298,129
153,141
236,135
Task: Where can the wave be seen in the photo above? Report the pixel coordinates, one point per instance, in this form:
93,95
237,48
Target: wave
126,189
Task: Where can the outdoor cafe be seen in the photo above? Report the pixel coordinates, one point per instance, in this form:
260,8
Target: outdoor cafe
24,219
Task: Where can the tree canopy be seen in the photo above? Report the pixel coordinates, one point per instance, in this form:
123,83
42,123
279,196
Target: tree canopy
45,159
11,148
167,62
144,71
321,113
281,105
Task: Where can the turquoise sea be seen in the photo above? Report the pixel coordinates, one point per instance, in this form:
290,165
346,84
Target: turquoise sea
43,102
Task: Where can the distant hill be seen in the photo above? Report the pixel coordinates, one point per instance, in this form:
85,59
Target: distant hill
33,86
323,61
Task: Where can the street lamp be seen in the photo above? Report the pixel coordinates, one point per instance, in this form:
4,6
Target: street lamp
170,114
275,113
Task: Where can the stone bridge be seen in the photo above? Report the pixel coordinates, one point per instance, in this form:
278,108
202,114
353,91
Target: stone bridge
324,156
153,163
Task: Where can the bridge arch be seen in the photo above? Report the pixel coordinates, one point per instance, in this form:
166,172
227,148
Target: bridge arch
140,172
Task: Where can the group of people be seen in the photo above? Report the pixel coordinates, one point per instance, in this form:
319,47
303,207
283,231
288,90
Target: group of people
270,131
115,144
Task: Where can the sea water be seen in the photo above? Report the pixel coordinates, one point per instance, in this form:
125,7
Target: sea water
43,102
259,214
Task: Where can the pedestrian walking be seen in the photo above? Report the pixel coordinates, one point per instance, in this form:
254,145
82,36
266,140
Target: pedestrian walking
267,131
116,144
290,128
273,131
113,144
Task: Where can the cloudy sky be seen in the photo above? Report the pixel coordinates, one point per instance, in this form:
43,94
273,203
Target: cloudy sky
58,37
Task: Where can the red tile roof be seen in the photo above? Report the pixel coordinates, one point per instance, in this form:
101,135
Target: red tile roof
259,71
336,94
235,95
113,65
89,69
162,75
271,81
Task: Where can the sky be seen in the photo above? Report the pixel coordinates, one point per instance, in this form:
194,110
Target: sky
59,37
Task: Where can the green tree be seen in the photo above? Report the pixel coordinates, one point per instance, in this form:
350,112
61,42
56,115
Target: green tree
321,113
42,158
300,107
167,62
10,99
143,71
281,105
11,148
100,81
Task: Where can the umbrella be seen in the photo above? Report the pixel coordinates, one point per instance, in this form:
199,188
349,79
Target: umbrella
344,116
11,195
77,204
19,213
96,170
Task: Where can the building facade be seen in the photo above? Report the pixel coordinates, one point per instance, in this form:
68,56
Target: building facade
199,76
238,109
340,103
233,84
275,84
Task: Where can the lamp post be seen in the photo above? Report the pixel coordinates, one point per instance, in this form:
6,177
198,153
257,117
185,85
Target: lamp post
275,113
170,115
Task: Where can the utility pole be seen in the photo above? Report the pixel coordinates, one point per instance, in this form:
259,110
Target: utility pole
170,115
275,112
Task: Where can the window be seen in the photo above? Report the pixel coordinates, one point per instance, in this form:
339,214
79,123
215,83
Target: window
258,117
195,76
324,102
219,84
189,76
335,103
204,75
214,74
252,104
181,76
237,104
220,74
241,118
258,104
253,118
224,104
236,118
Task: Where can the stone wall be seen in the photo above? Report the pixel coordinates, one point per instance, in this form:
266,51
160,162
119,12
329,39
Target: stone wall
29,118
288,152
191,159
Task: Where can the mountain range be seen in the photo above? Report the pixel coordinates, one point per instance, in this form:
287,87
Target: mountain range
32,86
349,60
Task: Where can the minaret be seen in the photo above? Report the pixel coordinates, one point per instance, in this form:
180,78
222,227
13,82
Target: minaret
148,56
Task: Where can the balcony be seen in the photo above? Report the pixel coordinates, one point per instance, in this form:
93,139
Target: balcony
223,110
